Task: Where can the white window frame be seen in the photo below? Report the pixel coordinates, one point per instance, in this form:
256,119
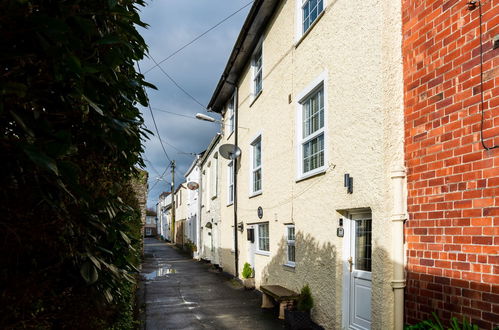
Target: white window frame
230,183
231,114
288,243
253,169
299,4
214,176
255,71
318,83
257,238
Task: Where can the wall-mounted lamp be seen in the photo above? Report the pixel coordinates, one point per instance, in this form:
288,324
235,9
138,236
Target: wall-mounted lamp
240,226
348,183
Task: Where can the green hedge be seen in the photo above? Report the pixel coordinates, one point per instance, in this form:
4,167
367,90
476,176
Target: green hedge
71,137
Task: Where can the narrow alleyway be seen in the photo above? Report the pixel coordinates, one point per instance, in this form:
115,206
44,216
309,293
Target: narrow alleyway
181,293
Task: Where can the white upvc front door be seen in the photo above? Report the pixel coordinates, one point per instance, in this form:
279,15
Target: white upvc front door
357,270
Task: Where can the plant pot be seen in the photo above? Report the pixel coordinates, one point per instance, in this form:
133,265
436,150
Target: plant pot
298,319
249,283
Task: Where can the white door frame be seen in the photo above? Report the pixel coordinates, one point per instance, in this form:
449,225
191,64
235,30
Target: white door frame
348,250
251,247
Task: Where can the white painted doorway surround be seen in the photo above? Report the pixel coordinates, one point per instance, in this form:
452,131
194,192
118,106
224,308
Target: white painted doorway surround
357,289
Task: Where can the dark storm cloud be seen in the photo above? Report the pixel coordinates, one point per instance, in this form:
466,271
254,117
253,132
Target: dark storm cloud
172,24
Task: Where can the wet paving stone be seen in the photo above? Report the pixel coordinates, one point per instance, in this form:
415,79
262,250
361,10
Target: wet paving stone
181,293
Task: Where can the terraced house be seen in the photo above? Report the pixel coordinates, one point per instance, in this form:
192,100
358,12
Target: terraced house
312,96
364,159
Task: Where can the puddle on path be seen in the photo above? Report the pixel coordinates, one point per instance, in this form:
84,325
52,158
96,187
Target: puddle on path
166,270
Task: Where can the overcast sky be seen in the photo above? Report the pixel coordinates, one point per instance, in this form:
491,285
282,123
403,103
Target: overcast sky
197,69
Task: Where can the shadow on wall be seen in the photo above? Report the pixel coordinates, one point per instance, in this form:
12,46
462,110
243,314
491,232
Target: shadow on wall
316,265
448,297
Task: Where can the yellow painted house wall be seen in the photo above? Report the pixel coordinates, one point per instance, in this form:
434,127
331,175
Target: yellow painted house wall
356,45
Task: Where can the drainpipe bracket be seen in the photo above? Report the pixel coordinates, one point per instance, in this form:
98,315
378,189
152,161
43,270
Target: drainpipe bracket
398,172
398,217
398,284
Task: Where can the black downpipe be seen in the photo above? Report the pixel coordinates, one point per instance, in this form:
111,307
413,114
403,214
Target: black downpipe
236,250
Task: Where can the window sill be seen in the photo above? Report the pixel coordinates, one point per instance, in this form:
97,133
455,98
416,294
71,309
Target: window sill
230,134
289,267
311,174
254,194
305,34
263,253
230,204
255,97
213,197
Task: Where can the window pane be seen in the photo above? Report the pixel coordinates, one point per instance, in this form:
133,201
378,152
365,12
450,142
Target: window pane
291,253
263,237
257,180
363,245
313,153
257,152
313,113
291,233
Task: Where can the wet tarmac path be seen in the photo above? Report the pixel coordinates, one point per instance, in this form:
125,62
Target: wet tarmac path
177,292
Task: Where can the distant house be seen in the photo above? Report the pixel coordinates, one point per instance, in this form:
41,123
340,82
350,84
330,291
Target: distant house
210,226
150,229
180,202
163,210
192,228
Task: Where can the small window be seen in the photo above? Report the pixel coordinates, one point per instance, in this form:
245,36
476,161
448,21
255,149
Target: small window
310,11
290,241
230,185
263,238
312,145
257,71
256,166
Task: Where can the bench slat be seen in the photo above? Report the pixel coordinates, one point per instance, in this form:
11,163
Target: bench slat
279,292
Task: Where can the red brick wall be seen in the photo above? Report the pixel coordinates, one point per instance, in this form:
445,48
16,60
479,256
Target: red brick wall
453,183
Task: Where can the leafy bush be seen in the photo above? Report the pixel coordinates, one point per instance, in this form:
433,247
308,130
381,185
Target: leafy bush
436,324
71,136
247,271
306,301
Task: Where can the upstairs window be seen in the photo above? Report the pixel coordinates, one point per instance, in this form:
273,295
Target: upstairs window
257,71
231,114
313,131
214,176
310,11
290,241
230,181
256,166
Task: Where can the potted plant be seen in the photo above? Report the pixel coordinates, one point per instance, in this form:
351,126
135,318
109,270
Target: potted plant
300,318
248,279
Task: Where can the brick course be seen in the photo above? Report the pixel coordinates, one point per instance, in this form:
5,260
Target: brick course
452,234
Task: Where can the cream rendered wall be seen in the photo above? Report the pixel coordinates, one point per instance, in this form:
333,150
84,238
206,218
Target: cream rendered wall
210,208
357,45
226,249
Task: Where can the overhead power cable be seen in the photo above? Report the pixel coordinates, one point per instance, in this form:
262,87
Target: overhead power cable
198,37
154,121
178,85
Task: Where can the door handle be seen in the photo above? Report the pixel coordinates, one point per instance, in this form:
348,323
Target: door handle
350,261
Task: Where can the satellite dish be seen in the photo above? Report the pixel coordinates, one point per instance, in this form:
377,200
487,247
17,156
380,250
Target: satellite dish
229,151
192,185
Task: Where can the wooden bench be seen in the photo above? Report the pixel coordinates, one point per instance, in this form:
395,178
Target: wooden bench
283,296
